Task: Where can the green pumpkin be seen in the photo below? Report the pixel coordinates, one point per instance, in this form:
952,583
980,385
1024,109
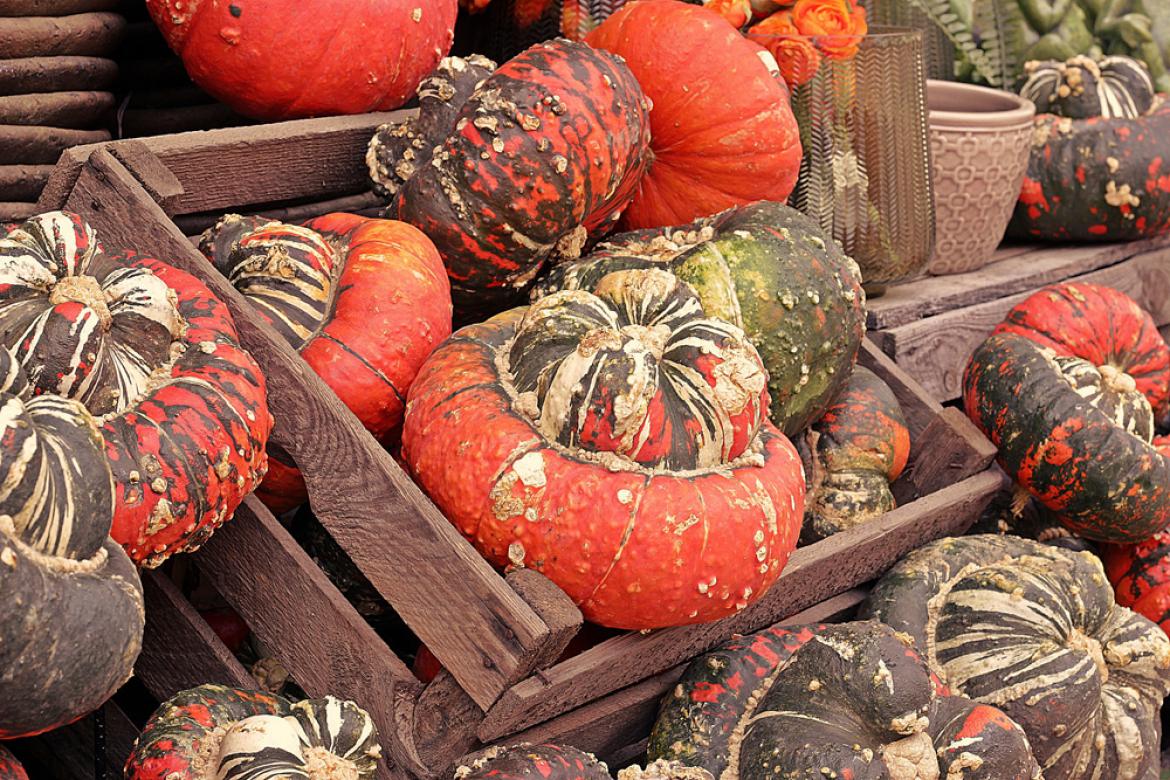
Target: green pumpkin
767,269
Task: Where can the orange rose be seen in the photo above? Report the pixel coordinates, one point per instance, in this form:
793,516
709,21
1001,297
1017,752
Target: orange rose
795,53
837,24
737,12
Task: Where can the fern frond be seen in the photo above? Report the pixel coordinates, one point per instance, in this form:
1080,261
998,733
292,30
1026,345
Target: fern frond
1000,26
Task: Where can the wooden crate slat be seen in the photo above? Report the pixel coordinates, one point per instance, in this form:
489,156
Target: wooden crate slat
69,753
319,637
1015,270
935,350
395,535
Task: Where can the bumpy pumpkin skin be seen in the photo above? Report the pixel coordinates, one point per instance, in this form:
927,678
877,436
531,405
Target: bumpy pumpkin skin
851,455
61,576
364,301
1101,325
534,762
612,495
547,150
156,356
849,700
215,731
1140,574
1035,629
1081,87
769,270
1097,179
722,130
1104,483
10,768
238,51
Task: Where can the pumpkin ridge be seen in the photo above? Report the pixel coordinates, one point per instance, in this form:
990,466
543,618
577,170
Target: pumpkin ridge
627,534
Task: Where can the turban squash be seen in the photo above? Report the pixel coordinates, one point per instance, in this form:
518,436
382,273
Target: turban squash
606,440
72,623
364,301
284,59
547,150
1140,574
227,733
765,268
534,762
10,768
722,131
1034,629
155,357
854,700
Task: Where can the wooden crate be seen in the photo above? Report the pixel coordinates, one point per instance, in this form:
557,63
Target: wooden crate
498,637
931,326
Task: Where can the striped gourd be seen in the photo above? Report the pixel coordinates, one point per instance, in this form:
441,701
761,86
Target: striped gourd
1113,392
1079,88
1034,630
231,734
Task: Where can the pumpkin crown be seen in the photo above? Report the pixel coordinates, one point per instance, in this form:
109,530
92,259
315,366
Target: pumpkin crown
1082,87
637,369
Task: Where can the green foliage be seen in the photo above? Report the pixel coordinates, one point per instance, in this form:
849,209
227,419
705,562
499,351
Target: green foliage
988,36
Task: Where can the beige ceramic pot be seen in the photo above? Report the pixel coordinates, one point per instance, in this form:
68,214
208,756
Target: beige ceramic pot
980,139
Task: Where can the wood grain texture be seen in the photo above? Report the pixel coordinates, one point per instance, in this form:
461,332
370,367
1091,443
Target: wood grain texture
293,608
23,182
1014,270
56,74
86,34
32,145
813,574
56,109
69,753
444,725
409,552
16,211
556,609
935,350
56,7
179,649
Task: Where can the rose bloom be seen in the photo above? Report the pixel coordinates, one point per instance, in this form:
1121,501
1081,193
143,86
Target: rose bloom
837,24
737,12
795,53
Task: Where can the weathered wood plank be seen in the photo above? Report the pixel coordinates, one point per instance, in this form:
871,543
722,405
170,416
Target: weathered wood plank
415,558
289,603
1015,270
935,350
70,752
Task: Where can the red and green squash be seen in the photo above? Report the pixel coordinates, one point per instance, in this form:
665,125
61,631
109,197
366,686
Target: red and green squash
364,301
534,762
602,439
10,766
152,354
765,268
546,151
854,700
1068,449
722,130
1099,169
72,622
1034,629
285,59
1140,574
220,732
851,455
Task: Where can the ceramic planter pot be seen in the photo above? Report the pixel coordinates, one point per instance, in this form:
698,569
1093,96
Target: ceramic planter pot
979,139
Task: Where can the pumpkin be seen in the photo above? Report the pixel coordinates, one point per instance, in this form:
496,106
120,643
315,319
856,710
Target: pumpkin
215,731
1034,629
1099,169
10,768
1104,482
769,270
397,151
156,358
850,700
1102,325
851,455
534,762
1140,574
1081,87
722,130
602,439
364,301
73,621
283,60
546,150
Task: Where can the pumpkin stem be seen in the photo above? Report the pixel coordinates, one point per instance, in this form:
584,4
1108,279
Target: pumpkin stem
86,291
1020,499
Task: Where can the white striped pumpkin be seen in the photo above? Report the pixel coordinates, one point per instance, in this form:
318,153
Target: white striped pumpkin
1111,88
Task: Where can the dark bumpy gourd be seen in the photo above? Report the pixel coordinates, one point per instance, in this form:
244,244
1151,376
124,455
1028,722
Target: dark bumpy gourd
850,701
71,625
603,440
150,352
767,269
1100,163
1102,325
1035,630
398,151
851,455
547,150
1140,574
534,762
231,734
364,301
1111,88
1105,483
